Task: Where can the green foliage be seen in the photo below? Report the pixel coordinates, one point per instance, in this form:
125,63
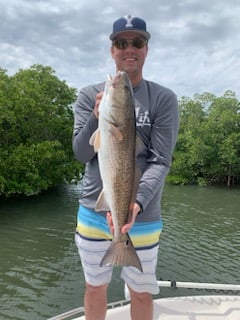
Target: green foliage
208,146
36,121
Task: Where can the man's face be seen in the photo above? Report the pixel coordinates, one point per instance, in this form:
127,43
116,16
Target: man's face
130,59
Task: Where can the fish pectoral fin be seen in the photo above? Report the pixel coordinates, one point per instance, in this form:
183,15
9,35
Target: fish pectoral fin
101,204
95,140
116,132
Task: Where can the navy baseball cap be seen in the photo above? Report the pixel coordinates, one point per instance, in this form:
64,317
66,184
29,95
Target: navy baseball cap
129,23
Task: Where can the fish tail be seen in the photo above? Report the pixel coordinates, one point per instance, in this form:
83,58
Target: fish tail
121,253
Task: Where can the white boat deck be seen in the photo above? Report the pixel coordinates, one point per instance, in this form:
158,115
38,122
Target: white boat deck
186,308
202,307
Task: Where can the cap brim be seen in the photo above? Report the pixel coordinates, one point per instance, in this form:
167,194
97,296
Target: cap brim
144,34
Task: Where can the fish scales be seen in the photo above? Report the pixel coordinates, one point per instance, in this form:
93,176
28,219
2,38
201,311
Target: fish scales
115,142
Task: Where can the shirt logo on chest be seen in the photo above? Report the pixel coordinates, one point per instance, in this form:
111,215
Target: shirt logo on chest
142,118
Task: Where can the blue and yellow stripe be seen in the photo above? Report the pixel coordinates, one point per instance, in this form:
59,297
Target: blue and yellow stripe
93,226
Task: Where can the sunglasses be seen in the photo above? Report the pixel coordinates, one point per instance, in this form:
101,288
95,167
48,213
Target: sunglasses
123,43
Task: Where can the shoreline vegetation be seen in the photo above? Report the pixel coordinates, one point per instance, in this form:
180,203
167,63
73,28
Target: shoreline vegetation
36,121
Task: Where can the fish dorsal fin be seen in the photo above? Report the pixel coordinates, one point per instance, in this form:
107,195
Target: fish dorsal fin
137,177
116,132
137,174
101,204
95,140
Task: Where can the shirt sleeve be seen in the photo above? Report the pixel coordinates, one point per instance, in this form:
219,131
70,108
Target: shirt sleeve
85,123
164,133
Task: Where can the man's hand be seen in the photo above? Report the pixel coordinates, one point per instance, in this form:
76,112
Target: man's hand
129,224
97,103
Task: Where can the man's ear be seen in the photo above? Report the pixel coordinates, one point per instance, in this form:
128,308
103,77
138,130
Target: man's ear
112,51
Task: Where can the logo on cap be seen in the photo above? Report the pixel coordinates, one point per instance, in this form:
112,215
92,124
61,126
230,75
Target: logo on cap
129,22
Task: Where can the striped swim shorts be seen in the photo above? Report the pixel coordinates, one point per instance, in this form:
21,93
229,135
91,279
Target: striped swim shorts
93,238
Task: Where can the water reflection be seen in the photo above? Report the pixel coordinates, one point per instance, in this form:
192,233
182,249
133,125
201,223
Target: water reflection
40,270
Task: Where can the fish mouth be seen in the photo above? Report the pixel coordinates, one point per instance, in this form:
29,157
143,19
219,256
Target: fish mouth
118,79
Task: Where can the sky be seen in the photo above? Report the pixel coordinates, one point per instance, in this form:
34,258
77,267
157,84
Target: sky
194,46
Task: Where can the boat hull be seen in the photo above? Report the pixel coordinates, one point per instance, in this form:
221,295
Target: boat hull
186,308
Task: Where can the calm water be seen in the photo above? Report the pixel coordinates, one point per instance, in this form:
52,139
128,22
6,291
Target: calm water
40,272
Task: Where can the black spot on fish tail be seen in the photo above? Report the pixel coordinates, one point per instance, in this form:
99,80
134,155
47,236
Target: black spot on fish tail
121,253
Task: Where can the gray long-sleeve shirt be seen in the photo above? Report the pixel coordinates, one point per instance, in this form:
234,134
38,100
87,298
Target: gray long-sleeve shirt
157,123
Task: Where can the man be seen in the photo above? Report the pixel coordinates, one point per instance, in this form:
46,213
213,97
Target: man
157,125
